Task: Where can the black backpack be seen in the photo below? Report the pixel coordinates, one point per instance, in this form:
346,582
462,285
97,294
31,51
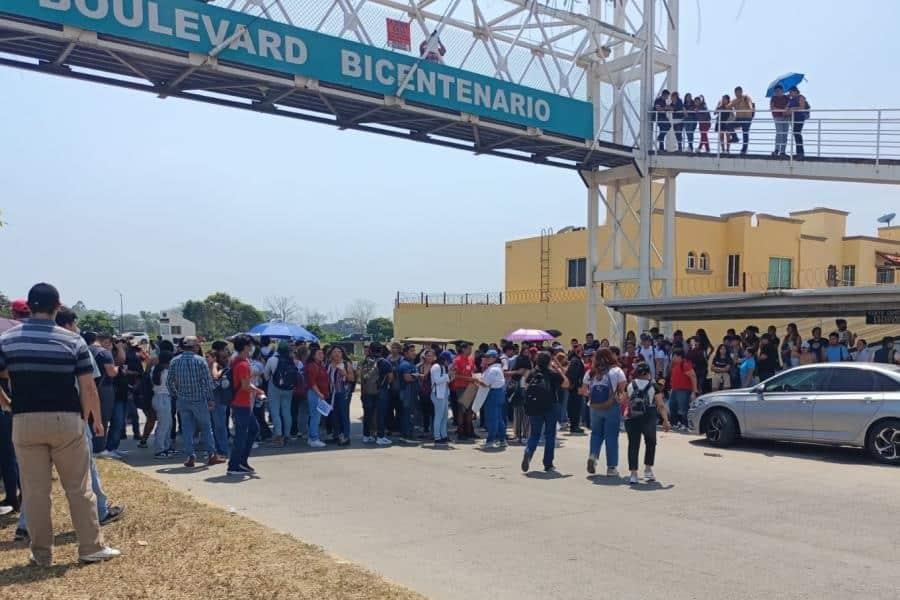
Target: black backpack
640,401
539,395
286,374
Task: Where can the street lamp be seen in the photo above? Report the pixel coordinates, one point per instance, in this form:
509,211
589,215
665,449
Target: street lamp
121,311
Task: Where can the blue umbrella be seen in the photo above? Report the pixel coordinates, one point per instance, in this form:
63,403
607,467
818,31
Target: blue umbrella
786,81
288,331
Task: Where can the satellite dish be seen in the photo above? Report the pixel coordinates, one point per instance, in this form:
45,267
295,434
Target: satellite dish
887,218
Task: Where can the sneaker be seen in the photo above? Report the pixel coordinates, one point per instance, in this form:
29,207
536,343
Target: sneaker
316,444
235,472
368,439
648,474
104,454
612,472
190,462
526,462
498,444
550,469
383,441
36,563
633,480
113,513
105,553
120,453
5,510
173,452
245,468
591,465
214,460
255,445
21,535
162,455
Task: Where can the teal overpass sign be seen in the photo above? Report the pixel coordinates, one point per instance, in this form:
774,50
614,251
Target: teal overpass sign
191,26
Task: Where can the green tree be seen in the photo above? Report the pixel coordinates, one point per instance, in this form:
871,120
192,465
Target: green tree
220,315
97,321
4,306
381,329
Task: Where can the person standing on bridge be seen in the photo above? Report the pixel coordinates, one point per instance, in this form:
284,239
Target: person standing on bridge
798,109
777,105
432,49
744,111
678,119
690,120
724,123
703,120
662,108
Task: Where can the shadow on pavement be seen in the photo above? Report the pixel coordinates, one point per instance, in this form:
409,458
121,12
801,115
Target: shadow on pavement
607,481
543,475
841,455
653,486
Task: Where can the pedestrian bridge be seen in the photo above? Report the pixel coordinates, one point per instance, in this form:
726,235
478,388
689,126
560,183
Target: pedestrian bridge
839,145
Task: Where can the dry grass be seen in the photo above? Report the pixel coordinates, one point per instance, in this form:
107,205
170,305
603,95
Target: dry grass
177,548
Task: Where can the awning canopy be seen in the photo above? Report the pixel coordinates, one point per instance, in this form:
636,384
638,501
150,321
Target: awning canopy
892,260
826,302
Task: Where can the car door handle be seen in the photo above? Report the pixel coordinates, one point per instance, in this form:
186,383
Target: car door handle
805,401
868,400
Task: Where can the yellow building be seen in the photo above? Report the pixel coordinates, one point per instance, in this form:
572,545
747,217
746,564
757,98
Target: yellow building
546,276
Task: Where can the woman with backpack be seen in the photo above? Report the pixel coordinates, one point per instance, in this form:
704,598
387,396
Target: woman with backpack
340,377
441,375
542,393
162,404
604,386
642,412
281,372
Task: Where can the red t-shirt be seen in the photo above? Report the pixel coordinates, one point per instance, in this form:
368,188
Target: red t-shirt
316,375
240,370
464,366
680,380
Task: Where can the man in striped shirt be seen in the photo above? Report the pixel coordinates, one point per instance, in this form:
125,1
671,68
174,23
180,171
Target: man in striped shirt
43,362
190,383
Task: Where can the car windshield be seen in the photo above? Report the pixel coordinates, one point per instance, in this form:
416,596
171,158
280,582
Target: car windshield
800,380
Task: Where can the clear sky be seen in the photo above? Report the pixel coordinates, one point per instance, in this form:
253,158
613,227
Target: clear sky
169,200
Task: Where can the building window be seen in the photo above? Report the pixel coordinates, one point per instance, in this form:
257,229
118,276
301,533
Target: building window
848,276
734,270
779,273
704,261
176,329
692,260
577,277
884,275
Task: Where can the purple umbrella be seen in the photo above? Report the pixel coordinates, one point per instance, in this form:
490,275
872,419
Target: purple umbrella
528,335
7,324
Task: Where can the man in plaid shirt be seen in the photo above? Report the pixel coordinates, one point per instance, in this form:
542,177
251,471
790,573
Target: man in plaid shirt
190,384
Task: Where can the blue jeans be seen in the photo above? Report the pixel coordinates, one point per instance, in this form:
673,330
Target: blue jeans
194,415
107,395
495,415
280,409
315,416
408,397
341,402
9,468
162,440
116,424
548,422
382,406
439,426
781,133
679,402
220,428
563,406
605,428
245,431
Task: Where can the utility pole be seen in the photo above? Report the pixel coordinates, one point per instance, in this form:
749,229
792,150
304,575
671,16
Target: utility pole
121,311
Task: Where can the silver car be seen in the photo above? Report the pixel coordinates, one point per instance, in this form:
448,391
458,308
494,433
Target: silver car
841,404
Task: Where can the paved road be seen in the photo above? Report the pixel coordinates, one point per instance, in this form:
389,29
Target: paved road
758,521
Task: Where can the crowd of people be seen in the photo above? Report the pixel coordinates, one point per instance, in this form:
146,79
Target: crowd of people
683,117
70,393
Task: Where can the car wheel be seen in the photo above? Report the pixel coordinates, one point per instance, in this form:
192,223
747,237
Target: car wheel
721,427
884,442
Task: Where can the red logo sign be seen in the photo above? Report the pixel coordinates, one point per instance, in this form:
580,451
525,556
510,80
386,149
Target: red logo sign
398,35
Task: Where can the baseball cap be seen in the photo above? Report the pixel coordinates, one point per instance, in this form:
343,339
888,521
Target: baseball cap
446,355
43,297
491,354
20,307
642,369
189,341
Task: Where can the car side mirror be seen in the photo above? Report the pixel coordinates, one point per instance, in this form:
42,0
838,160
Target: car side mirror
759,389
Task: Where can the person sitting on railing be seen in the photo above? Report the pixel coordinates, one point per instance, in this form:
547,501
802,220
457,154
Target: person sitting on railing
744,111
724,123
777,105
703,119
798,111
690,120
662,107
677,119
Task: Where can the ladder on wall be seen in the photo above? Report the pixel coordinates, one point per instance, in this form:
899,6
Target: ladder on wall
546,234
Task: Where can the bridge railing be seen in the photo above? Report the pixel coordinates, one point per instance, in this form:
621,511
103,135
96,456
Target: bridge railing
850,134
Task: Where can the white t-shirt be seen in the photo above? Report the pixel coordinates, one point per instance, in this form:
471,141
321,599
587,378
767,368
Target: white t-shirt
494,376
616,376
440,381
271,365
